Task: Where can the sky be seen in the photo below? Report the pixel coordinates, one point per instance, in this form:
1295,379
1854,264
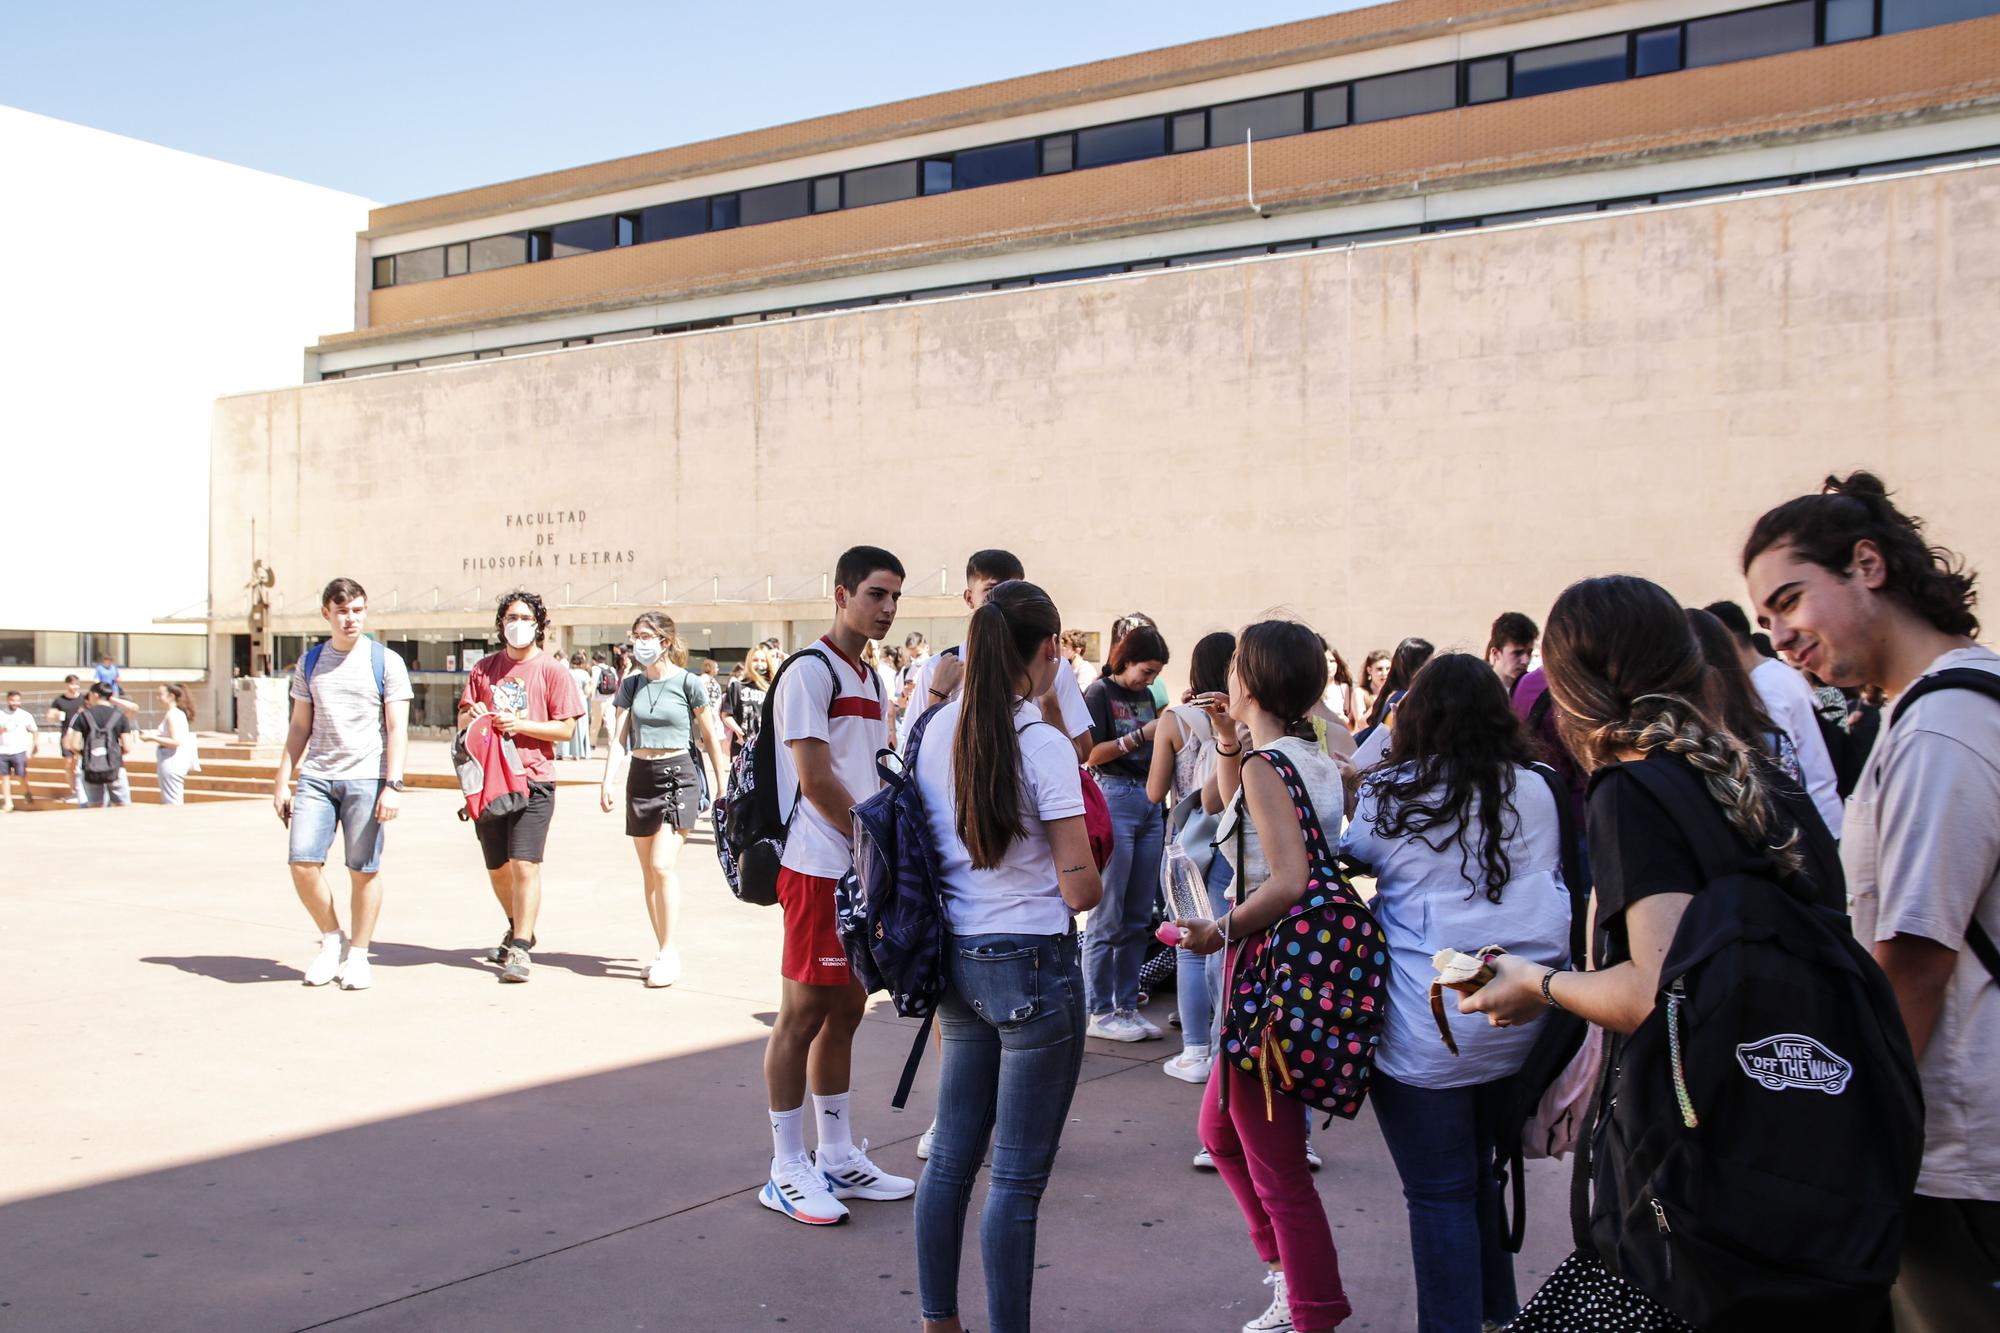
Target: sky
400,101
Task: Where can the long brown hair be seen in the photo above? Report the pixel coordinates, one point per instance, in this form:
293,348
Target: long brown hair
1007,629
1626,673
1728,692
662,624
183,699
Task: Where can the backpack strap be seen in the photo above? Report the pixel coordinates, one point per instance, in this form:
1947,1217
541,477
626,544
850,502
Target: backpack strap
768,781
378,658
312,663
1575,869
1709,833
1980,682
910,1064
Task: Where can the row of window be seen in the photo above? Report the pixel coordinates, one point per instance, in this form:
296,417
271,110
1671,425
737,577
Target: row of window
1200,257
1717,39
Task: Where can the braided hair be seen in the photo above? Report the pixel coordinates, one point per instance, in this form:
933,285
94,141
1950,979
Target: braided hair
1627,675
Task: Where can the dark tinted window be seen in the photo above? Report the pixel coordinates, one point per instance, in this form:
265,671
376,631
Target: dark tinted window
1408,94
1486,80
1058,153
1749,34
1903,15
582,238
937,175
540,246
1127,141
420,265
724,212
774,203
993,166
499,251
826,194
1657,52
880,185
1329,108
683,217
385,271
1265,118
1848,19
1189,132
1571,65
455,259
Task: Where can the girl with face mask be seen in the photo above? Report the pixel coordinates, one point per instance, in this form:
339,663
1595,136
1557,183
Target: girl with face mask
662,708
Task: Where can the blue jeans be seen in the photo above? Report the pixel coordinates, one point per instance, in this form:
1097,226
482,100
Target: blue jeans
318,804
1012,1023
1114,943
1442,1142
1198,979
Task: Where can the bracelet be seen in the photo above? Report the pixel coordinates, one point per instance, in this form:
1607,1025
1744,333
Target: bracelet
937,693
1548,997
1222,926
1229,754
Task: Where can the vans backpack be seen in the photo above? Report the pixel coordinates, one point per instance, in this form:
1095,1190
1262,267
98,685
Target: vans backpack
1307,999
1762,1129
749,831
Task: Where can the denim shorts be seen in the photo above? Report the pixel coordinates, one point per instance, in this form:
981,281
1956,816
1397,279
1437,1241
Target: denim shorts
320,803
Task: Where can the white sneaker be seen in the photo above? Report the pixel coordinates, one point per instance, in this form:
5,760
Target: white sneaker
1278,1318
855,1177
924,1143
1151,1030
798,1190
355,974
1115,1026
1312,1156
327,966
666,969
1190,1066
1203,1162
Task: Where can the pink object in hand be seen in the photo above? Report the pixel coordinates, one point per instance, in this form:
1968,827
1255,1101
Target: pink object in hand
1171,934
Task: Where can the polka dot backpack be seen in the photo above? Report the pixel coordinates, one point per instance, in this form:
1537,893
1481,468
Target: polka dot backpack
1308,996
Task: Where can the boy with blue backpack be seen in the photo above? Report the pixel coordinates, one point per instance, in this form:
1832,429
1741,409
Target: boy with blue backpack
350,726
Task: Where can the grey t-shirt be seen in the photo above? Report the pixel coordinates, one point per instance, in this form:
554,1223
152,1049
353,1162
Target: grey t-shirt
346,742
1921,849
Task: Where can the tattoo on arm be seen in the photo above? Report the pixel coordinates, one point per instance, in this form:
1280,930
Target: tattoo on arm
1073,870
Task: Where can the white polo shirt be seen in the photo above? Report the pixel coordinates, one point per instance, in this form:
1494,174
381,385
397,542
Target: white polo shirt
843,708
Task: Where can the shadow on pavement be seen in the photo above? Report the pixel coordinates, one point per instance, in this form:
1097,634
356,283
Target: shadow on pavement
244,971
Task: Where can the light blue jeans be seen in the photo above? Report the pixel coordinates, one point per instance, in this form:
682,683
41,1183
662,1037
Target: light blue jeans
1198,980
1012,1027
1114,943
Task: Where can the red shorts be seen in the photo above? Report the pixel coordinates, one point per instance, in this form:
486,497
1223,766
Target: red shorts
813,956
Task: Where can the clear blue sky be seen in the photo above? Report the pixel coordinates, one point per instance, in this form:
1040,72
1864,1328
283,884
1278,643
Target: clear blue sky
399,101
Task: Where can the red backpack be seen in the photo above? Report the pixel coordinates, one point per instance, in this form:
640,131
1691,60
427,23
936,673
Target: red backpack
489,771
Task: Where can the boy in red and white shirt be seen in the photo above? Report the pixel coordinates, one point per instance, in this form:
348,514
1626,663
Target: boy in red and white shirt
831,721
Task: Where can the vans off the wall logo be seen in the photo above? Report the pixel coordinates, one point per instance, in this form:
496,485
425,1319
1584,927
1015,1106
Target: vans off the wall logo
1792,1061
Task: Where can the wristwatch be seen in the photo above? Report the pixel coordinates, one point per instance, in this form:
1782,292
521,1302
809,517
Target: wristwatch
394,784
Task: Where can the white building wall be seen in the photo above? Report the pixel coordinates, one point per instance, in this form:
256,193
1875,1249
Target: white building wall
142,284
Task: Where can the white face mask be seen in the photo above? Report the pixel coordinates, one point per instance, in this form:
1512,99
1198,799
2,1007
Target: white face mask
520,633
646,651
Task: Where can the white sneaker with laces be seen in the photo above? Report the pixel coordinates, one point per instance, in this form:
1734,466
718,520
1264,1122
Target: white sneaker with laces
1115,1026
1190,1066
924,1143
1203,1162
855,1177
326,967
355,974
1278,1318
798,1190
664,970
1150,1030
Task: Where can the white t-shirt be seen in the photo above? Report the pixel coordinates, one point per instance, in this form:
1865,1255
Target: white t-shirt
1022,894
1789,701
1329,799
1429,900
1069,696
348,726
842,708
1922,855
17,731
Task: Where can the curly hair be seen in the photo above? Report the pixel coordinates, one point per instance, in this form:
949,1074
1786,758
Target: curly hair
1456,746
1931,580
532,601
1626,673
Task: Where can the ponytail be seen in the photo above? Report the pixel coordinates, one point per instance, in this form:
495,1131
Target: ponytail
1007,629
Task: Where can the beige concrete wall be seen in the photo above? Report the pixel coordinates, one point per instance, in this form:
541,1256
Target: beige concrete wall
1402,439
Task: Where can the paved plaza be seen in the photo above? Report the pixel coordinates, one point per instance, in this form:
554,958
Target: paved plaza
196,1141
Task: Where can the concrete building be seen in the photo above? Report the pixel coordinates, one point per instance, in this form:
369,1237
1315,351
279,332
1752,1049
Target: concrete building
145,282
1394,319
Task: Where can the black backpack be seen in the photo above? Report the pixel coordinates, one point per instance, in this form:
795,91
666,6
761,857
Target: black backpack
1759,1135
1988,684
102,756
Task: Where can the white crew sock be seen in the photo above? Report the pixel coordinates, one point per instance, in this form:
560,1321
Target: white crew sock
332,939
836,1136
788,1133
357,951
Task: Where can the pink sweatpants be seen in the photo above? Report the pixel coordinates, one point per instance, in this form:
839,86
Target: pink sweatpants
1263,1161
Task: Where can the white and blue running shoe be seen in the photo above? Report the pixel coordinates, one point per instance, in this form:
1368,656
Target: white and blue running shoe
798,1190
855,1177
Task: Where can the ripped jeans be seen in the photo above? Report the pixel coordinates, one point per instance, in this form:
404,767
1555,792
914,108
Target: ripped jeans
1012,1021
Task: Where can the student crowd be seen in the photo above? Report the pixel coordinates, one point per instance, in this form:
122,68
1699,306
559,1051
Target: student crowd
1594,819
